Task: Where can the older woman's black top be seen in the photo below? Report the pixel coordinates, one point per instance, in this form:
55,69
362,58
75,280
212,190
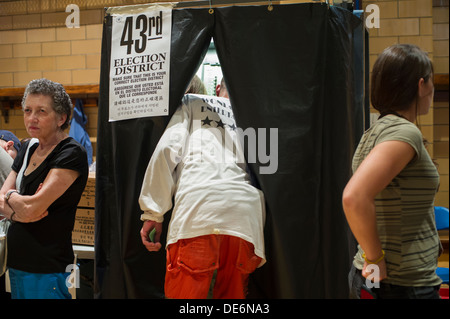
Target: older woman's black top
45,246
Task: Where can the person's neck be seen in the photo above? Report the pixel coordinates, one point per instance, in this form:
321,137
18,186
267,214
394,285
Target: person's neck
49,143
409,114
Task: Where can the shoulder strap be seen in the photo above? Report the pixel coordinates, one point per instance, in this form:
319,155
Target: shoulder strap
24,164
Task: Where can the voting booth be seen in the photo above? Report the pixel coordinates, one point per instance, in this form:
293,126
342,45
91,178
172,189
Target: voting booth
299,68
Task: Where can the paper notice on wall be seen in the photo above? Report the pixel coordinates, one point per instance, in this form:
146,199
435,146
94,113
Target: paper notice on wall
140,63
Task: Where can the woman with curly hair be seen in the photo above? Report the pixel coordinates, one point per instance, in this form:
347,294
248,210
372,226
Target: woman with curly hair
41,194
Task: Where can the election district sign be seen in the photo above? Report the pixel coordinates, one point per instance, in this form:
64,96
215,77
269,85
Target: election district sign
140,63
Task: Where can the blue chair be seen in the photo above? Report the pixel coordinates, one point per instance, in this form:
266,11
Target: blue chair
442,220
441,215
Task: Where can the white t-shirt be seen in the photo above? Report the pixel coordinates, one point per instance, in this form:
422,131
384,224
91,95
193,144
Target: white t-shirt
6,162
199,161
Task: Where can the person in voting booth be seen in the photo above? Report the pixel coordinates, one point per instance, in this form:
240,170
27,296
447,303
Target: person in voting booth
41,194
196,86
389,201
218,216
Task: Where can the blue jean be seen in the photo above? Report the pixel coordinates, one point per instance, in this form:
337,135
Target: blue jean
388,291
25,285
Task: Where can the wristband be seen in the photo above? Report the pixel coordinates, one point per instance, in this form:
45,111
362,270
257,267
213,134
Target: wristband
9,193
7,197
375,261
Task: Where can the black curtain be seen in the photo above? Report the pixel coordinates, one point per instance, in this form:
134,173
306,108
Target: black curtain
298,69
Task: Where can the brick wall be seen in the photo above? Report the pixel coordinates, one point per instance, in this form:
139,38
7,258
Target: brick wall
441,103
35,42
424,23
404,21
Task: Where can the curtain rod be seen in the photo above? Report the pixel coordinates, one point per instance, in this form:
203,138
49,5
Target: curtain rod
216,3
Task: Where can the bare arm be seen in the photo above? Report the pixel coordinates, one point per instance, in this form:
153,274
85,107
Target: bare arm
29,208
383,163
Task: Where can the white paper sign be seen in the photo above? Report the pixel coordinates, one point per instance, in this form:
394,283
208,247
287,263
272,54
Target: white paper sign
140,64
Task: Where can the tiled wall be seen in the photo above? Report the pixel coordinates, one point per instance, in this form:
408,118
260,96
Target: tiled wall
424,23
441,104
35,42
404,21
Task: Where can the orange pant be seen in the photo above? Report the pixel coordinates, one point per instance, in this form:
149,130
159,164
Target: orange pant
191,264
